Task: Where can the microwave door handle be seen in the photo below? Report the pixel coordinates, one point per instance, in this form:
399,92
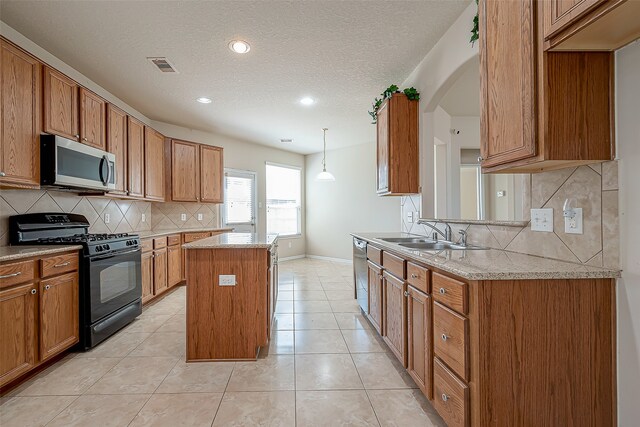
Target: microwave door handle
105,161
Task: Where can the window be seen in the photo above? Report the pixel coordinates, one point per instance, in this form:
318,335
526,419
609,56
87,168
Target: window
239,197
283,200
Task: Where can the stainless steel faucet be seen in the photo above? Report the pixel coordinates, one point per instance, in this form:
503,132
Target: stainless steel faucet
447,229
463,239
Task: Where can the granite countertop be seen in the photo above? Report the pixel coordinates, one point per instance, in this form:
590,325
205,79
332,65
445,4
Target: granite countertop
492,264
11,253
160,233
235,240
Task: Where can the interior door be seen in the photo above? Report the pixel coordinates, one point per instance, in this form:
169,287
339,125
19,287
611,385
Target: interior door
240,200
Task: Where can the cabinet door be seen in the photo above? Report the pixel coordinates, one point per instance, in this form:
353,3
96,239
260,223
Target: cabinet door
174,268
375,297
419,358
92,119
117,144
211,174
135,158
383,148
18,339
184,175
395,315
507,81
559,14
153,165
58,314
147,276
60,105
20,122
160,283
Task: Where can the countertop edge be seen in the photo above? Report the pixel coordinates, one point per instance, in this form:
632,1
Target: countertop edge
590,272
35,251
213,244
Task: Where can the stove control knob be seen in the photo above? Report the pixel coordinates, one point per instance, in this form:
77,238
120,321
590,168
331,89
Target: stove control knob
106,247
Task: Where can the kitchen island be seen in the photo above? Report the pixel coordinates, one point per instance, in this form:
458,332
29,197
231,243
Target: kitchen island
231,294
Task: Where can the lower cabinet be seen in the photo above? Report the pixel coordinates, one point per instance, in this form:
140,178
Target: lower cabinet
375,296
395,315
451,398
174,265
147,276
160,283
59,316
419,339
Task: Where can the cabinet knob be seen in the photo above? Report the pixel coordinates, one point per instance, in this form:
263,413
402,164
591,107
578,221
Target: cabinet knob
2,174
46,288
442,291
85,139
33,291
414,276
77,135
444,337
444,397
480,159
406,294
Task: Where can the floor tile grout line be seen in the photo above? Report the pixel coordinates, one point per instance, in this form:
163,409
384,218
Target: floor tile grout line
63,409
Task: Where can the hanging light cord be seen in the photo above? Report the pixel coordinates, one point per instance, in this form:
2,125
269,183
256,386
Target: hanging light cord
324,150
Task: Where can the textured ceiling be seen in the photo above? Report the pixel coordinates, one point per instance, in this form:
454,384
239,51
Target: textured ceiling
342,53
463,98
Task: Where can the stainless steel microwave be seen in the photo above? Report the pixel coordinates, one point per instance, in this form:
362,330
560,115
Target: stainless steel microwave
70,164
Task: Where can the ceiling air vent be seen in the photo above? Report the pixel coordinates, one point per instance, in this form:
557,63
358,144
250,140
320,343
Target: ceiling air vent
286,141
162,64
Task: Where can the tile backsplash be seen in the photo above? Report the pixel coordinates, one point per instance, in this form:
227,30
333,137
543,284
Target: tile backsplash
595,189
125,216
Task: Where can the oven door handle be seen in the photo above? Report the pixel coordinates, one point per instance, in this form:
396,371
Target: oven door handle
99,257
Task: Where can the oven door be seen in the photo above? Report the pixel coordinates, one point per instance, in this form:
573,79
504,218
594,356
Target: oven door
115,280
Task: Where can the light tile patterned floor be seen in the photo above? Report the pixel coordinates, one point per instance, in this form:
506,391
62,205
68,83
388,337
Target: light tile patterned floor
324,367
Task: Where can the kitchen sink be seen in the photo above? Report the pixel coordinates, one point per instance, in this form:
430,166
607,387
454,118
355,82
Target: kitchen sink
404,240
438,246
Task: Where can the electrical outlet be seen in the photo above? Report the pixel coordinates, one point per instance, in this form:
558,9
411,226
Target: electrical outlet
501,193
542,220
107,218
200,216
227,280
289,244
410,217
183,217
144,218
574,225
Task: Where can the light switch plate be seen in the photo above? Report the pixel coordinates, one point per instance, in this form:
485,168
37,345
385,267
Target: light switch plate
227,280
542,220
144,218
574,225
107,218
200,216
183,217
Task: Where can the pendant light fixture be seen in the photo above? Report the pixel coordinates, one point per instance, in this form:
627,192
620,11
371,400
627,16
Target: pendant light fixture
324,175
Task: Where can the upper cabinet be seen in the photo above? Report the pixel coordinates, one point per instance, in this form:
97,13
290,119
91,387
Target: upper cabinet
590,24
135,158
535,103
153,164
196,172
60,105
397,147
117,144
92,119
20,92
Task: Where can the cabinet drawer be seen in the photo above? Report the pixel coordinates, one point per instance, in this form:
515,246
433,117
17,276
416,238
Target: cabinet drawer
159,242
18,272
394,265
147,245
418,277
173,240
192,237
450,292
450,396
59,264
374,254
450,339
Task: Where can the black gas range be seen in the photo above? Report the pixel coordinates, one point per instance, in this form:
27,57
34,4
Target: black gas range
110,269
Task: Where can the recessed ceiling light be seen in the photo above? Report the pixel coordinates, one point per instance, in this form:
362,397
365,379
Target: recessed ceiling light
239,46
307,101
204,100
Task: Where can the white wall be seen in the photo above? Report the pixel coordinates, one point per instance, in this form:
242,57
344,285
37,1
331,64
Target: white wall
350,203
628,141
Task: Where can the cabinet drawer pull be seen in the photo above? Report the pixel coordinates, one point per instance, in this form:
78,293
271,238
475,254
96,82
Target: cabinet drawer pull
444,397
442,291
47,287
64,264
6,276
414,276
445,337
33,291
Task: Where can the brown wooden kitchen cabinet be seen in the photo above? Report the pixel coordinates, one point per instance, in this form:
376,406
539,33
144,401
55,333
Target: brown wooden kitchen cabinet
135,158
160,283
196,172
147,276
395,314
375,296
93,117
20,92
211,174
174,261
560,13
153,165
117,144
38,312
419,355
533,102
397,147
60,104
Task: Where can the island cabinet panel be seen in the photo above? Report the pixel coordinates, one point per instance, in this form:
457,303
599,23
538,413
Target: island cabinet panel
59,314
419,355
60,104
226,322
117,144
211,174
395,315
153,165
135,158
20,92
375,296
93,113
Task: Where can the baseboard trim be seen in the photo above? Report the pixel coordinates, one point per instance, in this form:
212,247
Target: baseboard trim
291,258
326,258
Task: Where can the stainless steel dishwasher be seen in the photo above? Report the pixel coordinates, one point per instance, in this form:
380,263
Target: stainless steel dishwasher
360,276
